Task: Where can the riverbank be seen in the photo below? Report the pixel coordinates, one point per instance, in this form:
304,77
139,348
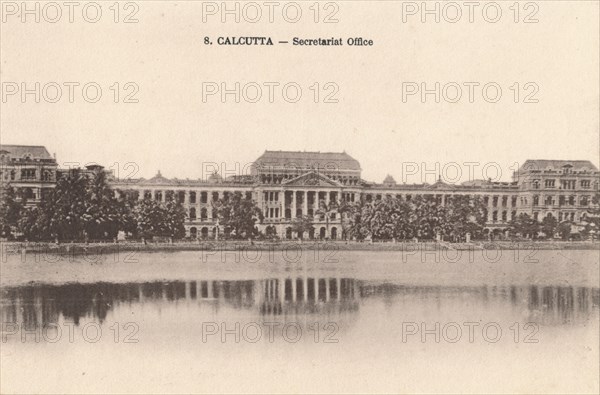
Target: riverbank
75,249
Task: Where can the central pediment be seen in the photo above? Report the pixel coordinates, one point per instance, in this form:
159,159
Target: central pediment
312,179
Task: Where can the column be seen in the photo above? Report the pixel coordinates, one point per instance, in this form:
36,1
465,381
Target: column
188,290
163,196
186,199
305,288
141,194
281,286
257,292
338,285
327,196
140,293
293,204
198,289
327,290
209,289
305,204
294,290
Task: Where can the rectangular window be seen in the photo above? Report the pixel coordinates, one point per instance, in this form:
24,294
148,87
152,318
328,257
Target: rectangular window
567,184
28,174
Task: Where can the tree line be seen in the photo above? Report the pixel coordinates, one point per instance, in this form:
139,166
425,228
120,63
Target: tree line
422,217
83,206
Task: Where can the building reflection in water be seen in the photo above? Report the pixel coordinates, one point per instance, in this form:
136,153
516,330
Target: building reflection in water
37,305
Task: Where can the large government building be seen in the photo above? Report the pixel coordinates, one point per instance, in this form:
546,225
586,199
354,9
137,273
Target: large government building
290,184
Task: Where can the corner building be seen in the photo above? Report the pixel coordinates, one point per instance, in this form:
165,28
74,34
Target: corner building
29,169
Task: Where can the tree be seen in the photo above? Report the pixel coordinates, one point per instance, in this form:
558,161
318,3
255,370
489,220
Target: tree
352,220
464,215
549,226
11,210
102,218
302,225
126,209
326,210
525,226
591,219
175,218
67,206
35,222
404,220
430,217
151,219
381,220
564,229
238,215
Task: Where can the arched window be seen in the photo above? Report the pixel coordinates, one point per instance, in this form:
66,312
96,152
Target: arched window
192,213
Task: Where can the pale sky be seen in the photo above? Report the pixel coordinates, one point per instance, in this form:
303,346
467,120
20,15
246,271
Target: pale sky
171,129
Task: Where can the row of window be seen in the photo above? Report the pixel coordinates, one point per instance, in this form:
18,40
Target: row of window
274,213
561,216
203,214
503,215
193,196
564,184
26,175
562,200
273,196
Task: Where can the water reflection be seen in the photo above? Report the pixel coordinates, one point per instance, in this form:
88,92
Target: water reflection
35,306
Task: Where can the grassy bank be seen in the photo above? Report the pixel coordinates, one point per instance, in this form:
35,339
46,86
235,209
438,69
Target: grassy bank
107,248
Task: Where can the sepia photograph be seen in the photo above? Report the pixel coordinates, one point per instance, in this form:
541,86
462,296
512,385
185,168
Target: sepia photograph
298,197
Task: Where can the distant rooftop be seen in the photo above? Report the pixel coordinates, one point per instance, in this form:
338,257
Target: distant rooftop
546,164
25,152
304,159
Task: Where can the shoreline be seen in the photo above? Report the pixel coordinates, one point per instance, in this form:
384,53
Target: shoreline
11,248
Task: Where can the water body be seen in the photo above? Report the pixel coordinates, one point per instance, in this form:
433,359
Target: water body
364,321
